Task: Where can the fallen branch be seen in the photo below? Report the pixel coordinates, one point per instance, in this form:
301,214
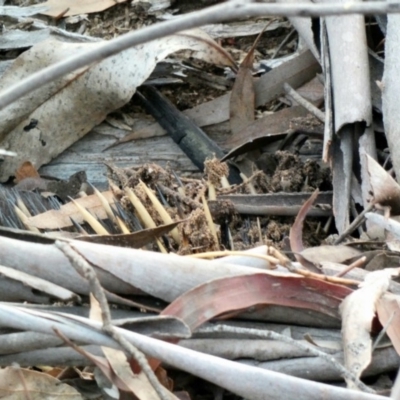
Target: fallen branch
84,269
254,383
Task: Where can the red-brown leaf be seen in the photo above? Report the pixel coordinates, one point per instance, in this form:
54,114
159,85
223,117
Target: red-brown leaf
223,295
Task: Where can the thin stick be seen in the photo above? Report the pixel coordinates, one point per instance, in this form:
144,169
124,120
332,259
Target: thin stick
84,269
284,41
21,376
212,254
353,226
308,348
176,195
222,12
356,264
303,102
382,333
308,274
244,184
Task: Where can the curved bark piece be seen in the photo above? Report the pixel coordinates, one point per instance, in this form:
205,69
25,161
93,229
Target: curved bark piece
391,90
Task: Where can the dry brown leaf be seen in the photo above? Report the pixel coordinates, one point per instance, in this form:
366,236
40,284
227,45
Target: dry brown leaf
138,384
165,380
26,170
263,131
99,362
238,293
386,191
243,98
337,254
358,312
388,309
296,231
22,384
67,8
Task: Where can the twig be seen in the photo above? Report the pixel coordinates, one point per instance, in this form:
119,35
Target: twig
244,184
284,41
185,199
212,254
382,333
84,269
353,226
266,334
303,102
356,264
21,376
327,278
355,213
223,12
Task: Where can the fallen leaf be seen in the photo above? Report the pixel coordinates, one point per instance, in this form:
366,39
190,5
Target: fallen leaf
358,312
99,362
22,384
337,254
388,310
296,231
66,8
386,191
238,293
243,97
263,131
390,224
138,384
26,170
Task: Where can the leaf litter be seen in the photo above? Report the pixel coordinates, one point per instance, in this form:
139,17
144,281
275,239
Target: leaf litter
281,273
